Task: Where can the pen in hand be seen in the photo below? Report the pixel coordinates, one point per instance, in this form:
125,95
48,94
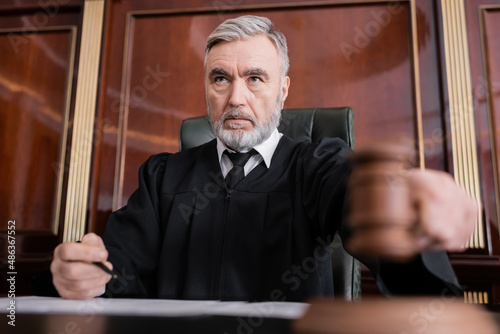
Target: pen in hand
101,265
113,273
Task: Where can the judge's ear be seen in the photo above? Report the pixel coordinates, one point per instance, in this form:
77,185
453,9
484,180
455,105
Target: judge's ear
284,90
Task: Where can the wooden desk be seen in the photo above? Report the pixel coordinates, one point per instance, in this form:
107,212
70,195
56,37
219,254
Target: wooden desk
34,315
435,315
112,324
429,315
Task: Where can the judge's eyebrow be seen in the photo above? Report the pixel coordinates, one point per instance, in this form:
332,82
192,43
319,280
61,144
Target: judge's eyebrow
256,71
219,71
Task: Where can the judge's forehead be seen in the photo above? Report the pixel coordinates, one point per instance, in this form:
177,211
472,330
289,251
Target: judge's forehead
255,52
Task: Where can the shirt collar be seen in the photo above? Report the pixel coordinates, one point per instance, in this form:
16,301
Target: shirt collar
265,149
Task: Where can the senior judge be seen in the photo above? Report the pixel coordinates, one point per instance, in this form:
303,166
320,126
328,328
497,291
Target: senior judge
273,202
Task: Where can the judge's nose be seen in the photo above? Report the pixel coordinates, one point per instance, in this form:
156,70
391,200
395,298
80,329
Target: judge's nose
238,93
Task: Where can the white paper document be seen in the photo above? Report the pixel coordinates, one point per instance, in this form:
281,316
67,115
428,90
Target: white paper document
152,307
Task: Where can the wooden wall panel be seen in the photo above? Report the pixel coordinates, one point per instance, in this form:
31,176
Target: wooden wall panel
478,270
490,24
384,59
35,89
38,45
161,87
428,34
356,53
485,75
362,56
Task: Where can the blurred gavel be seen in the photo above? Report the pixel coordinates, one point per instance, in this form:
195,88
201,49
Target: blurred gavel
381,213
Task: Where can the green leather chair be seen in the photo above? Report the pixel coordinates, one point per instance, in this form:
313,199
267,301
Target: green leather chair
302,125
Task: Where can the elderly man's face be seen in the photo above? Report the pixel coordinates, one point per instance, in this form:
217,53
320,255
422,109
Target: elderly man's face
244,91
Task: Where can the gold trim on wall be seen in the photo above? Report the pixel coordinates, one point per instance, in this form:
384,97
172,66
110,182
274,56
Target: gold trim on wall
416,83
124,94
67,103
83,122
461,109
476,297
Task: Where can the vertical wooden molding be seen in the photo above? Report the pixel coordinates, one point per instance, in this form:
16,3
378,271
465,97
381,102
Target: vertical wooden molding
83,122
461,110
64,137
416,82
123,123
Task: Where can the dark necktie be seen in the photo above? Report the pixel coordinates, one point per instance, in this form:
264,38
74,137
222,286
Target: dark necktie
237,173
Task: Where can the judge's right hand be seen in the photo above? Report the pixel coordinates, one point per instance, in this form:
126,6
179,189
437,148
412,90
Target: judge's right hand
73,274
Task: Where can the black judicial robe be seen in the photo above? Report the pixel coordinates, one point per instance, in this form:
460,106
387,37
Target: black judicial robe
183,235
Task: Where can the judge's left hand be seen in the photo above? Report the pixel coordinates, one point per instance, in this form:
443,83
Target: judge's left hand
446,214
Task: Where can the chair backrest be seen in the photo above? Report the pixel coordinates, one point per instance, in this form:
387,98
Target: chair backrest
308,124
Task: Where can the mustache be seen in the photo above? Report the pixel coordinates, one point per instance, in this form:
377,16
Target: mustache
237,113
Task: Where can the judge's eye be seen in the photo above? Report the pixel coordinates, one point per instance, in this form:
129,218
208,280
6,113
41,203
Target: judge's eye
254,79
220,80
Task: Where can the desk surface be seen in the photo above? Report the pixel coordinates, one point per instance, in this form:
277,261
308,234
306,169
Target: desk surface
107,316
74,324
153,307
434,315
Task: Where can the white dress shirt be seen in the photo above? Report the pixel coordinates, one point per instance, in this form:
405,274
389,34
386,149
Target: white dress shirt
265,152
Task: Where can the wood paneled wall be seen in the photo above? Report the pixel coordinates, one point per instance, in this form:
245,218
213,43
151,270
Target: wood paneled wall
342,53
385,59
479,271
38,57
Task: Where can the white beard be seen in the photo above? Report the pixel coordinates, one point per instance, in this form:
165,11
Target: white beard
241,140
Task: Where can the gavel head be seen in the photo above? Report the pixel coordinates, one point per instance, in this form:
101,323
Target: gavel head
381,214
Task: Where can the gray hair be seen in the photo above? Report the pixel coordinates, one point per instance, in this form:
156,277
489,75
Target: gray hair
245,27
